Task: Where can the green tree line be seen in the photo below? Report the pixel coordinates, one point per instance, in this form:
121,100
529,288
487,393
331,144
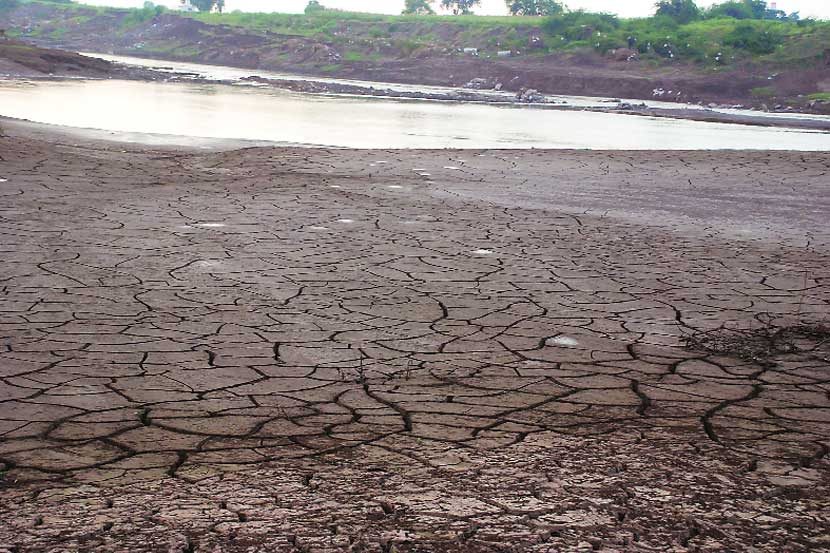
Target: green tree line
682,11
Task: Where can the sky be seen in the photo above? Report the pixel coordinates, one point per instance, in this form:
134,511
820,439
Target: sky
624,8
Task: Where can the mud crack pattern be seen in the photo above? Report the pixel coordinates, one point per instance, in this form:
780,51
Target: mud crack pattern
308,350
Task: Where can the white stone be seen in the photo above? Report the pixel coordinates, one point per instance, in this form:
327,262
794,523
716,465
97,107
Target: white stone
563,341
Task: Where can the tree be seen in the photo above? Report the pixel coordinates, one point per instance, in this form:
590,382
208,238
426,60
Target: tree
418,7
758,8
208,5
460,7
682,11
535,7
739,9
736,10
314,6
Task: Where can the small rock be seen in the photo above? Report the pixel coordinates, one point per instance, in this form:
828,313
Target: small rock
529,95
480,84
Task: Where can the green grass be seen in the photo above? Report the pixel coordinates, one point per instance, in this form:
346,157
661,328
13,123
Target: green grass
762,92
285,20
18,47
134,18
825,96
360,56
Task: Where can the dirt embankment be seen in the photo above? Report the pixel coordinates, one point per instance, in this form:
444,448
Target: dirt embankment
21,59
352,52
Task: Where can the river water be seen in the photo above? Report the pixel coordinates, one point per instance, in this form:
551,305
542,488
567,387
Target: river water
236,111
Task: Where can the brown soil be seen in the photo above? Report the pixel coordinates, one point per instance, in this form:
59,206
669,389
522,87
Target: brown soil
292,350
22,58
18,58
591,74
768,343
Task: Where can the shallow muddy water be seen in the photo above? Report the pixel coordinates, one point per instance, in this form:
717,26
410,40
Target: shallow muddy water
267,114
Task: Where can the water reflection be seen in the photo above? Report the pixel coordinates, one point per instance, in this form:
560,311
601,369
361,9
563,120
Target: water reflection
222,111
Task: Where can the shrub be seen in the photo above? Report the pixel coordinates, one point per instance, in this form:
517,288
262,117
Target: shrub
579,25
754,38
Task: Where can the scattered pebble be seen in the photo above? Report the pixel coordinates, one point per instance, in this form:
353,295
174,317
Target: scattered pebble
211,225
451,168
318,228
482,252
563,341
345,220
395,186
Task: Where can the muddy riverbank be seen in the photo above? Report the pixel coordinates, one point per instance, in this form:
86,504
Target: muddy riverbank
541,101
21,59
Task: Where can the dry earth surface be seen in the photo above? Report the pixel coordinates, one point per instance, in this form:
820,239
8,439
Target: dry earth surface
306,350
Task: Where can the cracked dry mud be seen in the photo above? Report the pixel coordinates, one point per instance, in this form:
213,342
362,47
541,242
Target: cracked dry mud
307,350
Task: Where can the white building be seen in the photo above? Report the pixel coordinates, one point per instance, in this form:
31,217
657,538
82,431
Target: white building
186,6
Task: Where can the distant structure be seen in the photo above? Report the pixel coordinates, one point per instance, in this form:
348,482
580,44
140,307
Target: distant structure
186,6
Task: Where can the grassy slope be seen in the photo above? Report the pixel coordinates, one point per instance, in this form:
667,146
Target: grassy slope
708,43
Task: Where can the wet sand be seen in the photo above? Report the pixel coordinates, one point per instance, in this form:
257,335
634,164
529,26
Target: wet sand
275,349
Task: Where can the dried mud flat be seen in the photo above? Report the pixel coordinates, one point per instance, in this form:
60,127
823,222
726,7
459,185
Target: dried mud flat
311,350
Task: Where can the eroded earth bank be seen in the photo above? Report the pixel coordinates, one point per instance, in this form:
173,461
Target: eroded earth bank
310,350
